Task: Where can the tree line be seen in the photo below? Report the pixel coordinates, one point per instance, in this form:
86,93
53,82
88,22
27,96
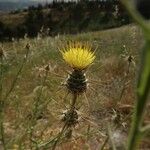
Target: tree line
60,17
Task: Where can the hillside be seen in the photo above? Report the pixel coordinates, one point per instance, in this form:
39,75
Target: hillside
7,6
107,104
62,18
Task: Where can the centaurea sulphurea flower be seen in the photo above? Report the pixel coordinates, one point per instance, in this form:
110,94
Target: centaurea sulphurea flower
78,56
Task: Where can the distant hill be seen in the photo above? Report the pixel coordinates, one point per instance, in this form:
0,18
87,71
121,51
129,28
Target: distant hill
10,6
61,18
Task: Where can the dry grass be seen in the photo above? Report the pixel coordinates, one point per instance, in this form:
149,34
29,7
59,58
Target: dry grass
107,79
13,19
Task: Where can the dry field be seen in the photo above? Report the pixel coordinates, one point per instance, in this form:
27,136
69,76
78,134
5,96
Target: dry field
35,97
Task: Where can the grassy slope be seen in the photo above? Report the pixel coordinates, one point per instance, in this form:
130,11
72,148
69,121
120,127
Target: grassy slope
13,19
106,76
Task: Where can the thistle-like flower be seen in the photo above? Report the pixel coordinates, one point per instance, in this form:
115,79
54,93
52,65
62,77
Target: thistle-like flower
79,57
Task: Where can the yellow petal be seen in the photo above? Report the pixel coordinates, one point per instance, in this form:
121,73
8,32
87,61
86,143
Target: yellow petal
78,55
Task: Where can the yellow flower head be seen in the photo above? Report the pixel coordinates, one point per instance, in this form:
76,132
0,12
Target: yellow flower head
78,55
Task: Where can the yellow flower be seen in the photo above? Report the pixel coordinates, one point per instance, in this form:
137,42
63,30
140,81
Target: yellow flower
78,55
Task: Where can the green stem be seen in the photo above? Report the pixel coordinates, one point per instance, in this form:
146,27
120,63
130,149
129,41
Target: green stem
2,105
55,140
143,82
3,100
59,136
35,112
39,95
75,95
17,75
124,83
142,93
72,107
104,144
137,17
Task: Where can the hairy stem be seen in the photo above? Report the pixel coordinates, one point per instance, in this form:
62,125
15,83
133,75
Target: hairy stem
72,107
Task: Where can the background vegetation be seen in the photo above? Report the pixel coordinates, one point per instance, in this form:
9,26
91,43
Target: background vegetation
63,18
33,98
30,117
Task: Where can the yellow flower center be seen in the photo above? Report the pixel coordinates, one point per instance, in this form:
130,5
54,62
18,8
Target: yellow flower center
79,56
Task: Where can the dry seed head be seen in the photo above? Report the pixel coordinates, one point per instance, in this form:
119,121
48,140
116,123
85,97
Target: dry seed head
47,67
1,52
27,46
25,36
70,118
130,58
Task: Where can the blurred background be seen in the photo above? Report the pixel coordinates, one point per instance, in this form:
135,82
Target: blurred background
20,17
